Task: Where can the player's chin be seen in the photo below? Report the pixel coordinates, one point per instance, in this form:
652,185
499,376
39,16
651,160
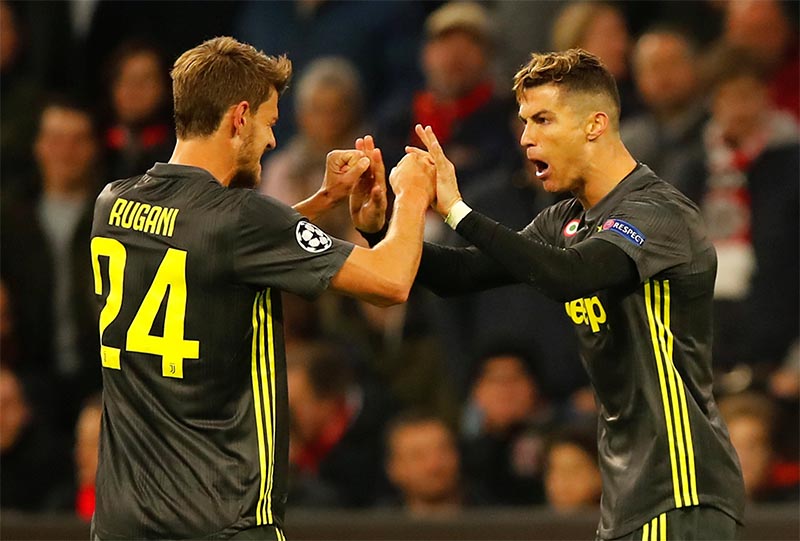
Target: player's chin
552,186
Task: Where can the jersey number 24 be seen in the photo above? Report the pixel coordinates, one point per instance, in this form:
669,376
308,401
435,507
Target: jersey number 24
171,273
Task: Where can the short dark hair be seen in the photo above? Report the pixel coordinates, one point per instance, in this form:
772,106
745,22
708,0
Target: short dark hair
71,103
575,70
414,417
217,74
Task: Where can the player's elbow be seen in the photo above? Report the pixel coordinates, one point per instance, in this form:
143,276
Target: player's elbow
394,293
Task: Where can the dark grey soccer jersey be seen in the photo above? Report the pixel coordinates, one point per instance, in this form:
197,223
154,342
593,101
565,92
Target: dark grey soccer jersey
647,349
194,439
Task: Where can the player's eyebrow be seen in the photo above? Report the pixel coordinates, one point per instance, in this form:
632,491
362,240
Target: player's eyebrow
539,113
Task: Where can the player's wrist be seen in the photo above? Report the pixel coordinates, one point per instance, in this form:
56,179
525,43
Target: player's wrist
414,194
457,212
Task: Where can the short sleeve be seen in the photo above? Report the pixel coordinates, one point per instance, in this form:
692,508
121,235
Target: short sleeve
653,233
275,246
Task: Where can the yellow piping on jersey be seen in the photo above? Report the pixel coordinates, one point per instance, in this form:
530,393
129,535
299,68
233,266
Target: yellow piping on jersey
670,370
256,362
664,398
656,529
682,391
270,404
672,392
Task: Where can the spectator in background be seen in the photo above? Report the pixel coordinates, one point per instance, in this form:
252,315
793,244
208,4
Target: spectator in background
572,478
458,99
21,98
668,136
329,105
399,348
140,132
752,420
767,29
503,429
749,200
380,38
87,443
601,29
336,420
35,466
423,464
46,262
522,28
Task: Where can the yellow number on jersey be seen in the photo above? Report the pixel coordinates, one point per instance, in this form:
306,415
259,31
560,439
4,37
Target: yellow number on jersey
115,251
171,273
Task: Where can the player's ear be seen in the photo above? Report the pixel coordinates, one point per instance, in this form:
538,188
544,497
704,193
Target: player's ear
596,125
239,117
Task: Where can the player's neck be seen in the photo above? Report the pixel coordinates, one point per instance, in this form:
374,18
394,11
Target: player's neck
209,153
606,168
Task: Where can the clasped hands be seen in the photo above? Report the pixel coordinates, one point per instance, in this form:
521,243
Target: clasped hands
362,173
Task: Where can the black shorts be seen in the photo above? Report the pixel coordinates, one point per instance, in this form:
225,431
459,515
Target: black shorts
688,524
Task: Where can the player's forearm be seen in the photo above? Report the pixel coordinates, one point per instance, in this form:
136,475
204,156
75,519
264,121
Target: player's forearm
561,274
397,256
384,274
317,205
448,270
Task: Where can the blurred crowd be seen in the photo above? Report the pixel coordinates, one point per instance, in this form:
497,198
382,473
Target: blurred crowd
439,404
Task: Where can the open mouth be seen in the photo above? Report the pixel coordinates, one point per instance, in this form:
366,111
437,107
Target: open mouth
541,168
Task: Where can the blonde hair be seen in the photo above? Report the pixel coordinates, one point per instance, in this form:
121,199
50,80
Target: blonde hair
574,70
217,74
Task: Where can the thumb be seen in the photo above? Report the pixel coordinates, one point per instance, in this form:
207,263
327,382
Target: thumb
361,165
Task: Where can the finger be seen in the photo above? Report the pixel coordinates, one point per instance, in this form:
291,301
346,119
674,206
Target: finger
360,144
377,164
369,144
435,148
355,156
361,165
420,131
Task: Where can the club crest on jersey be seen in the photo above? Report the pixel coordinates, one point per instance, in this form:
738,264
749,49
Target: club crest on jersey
571,228
624,229
311,238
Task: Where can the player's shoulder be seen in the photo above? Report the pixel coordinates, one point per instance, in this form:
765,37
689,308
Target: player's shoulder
114,189
264,208
652,194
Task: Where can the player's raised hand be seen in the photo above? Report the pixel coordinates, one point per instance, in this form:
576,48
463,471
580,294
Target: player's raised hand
343,168
368,197
447,193
415,172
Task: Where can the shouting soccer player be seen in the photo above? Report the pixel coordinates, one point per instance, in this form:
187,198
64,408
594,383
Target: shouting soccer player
194,440
629,258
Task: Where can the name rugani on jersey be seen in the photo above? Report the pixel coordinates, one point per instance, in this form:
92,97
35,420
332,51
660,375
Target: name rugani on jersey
140,216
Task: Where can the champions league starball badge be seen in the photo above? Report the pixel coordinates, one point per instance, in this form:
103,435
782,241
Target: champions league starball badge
311,238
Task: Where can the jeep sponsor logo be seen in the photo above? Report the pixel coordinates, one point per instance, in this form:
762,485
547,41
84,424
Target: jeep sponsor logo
588,311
